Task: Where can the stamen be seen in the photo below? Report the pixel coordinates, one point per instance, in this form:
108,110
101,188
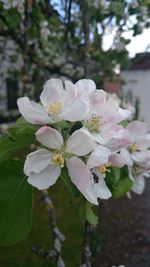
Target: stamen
54,109
94,123
104,168
133,147
58,159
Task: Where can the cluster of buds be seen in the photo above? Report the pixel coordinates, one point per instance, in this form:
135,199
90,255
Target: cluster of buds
81,130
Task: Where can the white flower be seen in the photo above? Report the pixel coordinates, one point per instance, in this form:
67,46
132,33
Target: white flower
43,167
104,116
57,103
98,165
137,152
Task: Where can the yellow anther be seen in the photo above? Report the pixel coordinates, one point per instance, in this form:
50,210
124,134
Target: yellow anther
54,109
133,147
104,168
94,123
58,159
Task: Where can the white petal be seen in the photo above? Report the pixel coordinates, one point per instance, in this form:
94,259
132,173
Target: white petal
85,86
49,137
53,92
78,172
138,185
37,161
141,156
123,114
90,194
80,143
32,112
70,89
45,178
101,189
127,156
98,157
75,110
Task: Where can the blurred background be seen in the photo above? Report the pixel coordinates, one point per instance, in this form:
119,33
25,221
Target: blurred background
109,42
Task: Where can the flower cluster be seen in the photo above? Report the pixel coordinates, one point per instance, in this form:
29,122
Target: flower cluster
82,131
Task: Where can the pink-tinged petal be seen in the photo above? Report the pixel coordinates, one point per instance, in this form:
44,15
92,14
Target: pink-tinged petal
79,173
97,99
85,87
141,156
138,185
143,142
75,109
49,137
101,189
126,156
80,143
53,92
81,177
117,160
120,139
37,161
45,178
137,128
32,112
98,157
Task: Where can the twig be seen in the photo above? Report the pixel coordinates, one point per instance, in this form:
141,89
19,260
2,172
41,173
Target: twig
86,31
86,252
58,237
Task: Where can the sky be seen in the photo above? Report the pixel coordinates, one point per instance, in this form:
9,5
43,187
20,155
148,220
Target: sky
138,43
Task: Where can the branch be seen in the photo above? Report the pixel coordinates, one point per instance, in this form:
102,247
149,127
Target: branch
58,237
85,20
86,252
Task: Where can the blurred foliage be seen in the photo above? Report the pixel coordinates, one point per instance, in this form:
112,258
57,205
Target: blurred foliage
48,37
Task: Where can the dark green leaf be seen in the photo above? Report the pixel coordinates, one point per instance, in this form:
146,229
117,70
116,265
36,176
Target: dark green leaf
20,136
15,203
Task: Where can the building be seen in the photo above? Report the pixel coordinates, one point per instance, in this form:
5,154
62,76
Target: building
137,80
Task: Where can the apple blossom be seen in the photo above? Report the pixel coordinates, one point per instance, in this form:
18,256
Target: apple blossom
43,167
57,103
104,116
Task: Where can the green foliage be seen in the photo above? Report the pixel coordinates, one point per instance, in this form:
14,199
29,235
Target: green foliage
90,215
118,182
13,18
21,135
15,203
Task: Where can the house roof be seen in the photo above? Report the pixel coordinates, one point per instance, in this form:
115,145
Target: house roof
140,62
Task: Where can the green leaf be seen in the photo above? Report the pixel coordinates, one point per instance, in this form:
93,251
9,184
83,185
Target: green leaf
20,136
90,216
67,181
15,203
112,177
124,185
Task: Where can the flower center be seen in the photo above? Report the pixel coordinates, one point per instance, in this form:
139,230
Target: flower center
54,109
94,123
58,159
133,147
104,168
